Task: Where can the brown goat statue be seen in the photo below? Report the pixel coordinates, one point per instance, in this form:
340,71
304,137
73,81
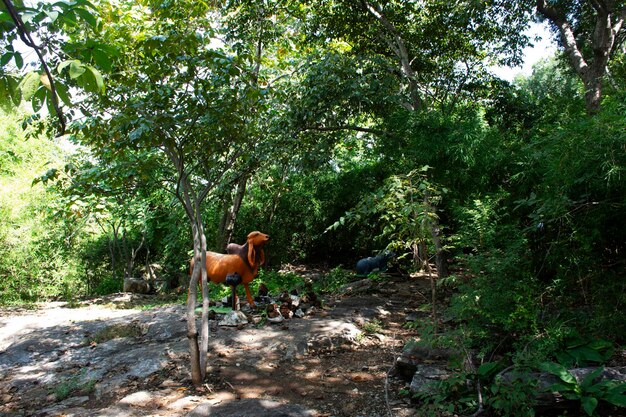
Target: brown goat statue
244,262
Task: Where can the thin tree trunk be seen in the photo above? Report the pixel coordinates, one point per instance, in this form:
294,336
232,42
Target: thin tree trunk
434,229
423,263
204,332
192,298
191,202
230,213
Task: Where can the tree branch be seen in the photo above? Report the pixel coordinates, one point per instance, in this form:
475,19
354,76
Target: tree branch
28,40
399,48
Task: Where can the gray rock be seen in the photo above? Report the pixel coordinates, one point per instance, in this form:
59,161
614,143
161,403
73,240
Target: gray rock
425,376
138,399
333,337
413,354
136,285
233,319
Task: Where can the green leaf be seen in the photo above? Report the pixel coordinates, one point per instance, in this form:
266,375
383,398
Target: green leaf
52,15
86,16
64,65
583,354
76,69
589,404
101,58
5,17
29,85
61,90
558,370
50,104
4,59
38,99
617,399
98,78
588,380
486,368
19,61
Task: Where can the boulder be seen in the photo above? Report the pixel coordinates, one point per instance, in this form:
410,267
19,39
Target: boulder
425,376
136,285
413,354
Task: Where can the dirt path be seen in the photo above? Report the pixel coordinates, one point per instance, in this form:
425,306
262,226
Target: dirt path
96,361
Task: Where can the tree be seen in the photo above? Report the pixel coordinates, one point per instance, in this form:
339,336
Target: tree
590,33
438,48
180,101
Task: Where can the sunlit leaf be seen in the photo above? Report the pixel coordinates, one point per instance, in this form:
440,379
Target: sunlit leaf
39,98
76,69
29,85
45,81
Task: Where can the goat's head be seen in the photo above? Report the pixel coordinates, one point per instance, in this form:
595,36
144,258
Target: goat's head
256,241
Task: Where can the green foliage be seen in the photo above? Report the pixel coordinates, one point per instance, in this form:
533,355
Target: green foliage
79,382
498,303
402,208
589,391
36,247
333,280
372,326
277,282
580,352
515,397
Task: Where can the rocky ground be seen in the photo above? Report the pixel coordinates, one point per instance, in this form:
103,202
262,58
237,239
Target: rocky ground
105,359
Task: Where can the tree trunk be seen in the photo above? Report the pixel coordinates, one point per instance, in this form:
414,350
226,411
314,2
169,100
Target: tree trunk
191,201
192,298
198,352
609,19
204,332
434,229
397,45
229,215
441,260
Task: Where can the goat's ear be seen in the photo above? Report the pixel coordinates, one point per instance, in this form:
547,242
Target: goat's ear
262,257
251,254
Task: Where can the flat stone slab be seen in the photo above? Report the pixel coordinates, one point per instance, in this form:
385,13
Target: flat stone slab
252,407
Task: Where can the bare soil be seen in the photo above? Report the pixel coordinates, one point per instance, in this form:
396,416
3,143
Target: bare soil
107,357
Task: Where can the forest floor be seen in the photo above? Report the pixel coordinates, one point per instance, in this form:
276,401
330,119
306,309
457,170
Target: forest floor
111,357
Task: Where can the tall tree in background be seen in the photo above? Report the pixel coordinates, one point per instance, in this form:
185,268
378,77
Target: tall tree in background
255,32
590,33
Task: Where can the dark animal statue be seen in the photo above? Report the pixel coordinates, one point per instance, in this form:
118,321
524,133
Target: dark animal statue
367,265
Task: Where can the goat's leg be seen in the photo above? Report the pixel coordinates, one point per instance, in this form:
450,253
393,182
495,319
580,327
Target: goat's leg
248,295
234,297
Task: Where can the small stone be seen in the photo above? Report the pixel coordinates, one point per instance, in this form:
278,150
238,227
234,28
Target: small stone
234,319
276,320
138,399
